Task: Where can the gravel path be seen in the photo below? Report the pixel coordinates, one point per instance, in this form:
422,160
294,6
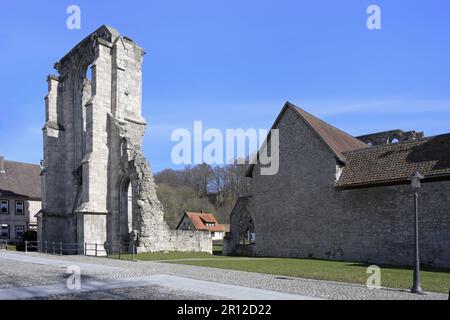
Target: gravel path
52,270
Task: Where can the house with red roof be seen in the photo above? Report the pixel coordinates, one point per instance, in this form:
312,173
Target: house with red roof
20,198
203,221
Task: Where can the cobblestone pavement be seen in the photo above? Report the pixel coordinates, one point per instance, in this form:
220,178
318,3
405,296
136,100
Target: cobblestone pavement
16,274
133,293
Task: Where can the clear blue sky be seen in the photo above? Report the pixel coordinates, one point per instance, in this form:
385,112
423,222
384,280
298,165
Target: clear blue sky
233,64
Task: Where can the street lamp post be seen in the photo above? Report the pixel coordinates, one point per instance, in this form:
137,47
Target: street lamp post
415,183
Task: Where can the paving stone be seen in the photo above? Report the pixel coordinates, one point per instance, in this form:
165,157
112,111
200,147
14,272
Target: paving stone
28,274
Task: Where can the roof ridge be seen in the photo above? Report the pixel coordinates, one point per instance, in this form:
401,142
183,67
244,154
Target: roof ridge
392,145
336,139
20,162
324,122
198,212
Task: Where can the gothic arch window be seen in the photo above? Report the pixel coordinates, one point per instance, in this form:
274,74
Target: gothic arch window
89,73
125,209
123,147
247,233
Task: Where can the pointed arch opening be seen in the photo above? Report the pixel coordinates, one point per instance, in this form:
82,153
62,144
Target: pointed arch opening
247,234
126,216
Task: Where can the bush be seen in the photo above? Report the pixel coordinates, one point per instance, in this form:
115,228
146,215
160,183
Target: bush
30,236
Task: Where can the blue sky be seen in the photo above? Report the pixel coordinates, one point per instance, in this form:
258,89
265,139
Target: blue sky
233,64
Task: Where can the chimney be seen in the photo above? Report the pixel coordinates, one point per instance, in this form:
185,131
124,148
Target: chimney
2,164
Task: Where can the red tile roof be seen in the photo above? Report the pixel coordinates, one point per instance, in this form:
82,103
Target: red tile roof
395,163
199,220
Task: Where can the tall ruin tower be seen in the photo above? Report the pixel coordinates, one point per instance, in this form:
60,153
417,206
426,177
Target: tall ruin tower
97,186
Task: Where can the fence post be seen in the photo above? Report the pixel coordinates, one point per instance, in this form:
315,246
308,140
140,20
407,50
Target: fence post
132,252
54,248
120,250
6,245
85,248
60,248
96,249
45,245
26,246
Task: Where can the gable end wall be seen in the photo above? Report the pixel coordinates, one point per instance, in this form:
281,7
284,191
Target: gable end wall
299,212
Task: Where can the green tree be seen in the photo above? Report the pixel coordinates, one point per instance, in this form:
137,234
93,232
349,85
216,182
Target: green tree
177,200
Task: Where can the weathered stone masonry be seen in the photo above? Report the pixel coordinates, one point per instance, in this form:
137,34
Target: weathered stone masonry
302,211
97,186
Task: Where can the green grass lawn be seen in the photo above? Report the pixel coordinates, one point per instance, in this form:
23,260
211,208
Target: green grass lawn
217,249
11,247
395,277
436,280
167,256
217,253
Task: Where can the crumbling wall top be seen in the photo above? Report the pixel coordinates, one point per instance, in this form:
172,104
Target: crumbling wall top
387,137
106,33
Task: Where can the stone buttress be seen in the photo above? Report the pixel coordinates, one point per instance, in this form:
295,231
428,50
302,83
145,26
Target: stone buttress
97,186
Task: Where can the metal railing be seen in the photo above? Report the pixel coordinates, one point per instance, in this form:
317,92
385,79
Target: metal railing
3,244
54,247
126,248
31,246
107,249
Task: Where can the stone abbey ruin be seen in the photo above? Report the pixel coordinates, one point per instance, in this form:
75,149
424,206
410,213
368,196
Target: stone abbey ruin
339,197
97,185
334,197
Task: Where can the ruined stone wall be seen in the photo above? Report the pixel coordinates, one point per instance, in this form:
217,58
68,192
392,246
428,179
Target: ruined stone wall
299,212
92,153
153,232
387,137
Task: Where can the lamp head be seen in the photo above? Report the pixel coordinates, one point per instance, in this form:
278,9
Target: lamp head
415,180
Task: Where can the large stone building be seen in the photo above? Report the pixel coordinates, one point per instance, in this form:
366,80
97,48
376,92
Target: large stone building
20,198
336,197
97,186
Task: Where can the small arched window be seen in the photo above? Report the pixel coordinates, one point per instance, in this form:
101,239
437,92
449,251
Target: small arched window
123,147
89,73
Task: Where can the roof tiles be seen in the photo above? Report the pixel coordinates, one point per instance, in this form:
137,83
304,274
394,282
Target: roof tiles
20,180
397,162
199,220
